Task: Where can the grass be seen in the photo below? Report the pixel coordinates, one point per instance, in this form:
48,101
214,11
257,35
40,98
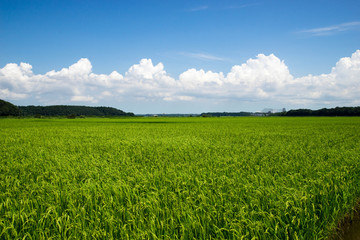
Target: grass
177,178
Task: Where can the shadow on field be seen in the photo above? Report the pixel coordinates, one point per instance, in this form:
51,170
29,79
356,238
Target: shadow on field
349,227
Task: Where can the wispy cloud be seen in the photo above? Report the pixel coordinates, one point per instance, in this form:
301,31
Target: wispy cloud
333,29
205,7
196,9
203,56
241,6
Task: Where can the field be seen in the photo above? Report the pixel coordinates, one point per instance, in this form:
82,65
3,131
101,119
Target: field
177,178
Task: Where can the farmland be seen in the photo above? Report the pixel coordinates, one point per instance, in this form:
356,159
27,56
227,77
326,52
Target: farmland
177,178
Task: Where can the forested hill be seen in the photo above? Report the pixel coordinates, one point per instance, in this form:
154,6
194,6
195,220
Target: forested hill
66,110
8,109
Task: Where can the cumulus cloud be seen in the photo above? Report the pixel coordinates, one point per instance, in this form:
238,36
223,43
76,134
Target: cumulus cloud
145,73
259,78
264,78
341,83
266,72
195,79
6,94
76,83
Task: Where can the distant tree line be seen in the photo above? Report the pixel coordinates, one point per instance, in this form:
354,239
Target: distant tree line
65,110
8,109
226,114
331,112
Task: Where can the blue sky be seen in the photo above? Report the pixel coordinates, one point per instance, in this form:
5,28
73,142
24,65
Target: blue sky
181,56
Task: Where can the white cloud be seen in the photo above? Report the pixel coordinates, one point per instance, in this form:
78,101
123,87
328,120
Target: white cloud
342,83
106,94
76,72
116,76
265,78
146,73
267,72
176,98
195,79
14,76
83,99
261,78
6,94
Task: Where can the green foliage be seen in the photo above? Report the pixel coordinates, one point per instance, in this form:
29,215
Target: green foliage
71,116
64,110
177,178
8,109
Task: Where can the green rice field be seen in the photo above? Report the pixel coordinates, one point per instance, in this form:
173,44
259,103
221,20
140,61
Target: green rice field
177,178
